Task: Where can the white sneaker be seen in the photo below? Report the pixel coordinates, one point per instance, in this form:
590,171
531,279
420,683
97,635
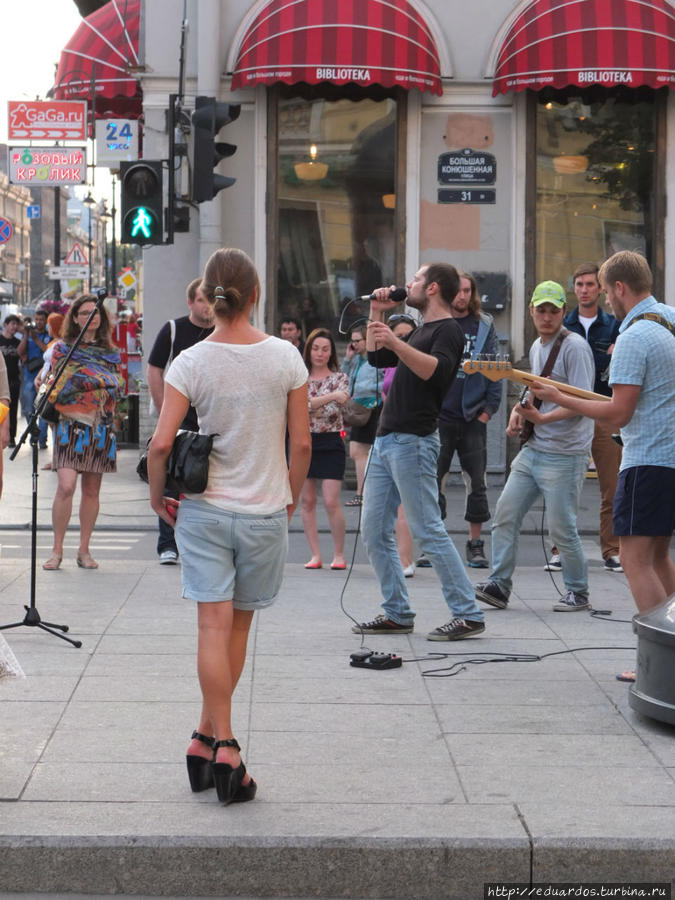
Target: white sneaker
613,564
553,565
409,571
168,558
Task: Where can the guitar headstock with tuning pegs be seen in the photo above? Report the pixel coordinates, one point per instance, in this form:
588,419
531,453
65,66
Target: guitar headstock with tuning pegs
494,369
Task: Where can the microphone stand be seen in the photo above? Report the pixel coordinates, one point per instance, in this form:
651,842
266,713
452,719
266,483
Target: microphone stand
32,618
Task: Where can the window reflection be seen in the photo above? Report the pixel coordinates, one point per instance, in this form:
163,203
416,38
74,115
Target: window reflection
336,205
595,167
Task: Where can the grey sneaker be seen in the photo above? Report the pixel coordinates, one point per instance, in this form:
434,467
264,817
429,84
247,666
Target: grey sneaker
475,555
382,625
423,562
572,602
489,592
456,630
554,564
168,558
613,564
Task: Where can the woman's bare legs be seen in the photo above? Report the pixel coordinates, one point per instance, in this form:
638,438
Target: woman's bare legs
223,635
330,491
308,497
62,507
89,506
359,453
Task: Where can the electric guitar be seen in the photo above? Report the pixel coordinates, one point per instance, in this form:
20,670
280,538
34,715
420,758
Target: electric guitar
495,370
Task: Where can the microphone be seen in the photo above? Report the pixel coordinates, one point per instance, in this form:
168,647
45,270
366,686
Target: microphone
398,295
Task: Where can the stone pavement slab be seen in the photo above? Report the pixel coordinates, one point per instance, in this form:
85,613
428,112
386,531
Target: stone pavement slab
405,783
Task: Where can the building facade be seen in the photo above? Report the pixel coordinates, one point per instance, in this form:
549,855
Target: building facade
511,139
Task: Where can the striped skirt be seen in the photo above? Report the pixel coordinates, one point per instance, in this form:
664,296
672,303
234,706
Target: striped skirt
84,448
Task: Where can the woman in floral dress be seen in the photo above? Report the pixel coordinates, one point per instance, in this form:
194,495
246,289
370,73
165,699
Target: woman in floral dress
328,393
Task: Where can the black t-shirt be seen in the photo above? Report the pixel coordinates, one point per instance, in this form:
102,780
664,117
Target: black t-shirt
186,336
8,348
452,404
412,404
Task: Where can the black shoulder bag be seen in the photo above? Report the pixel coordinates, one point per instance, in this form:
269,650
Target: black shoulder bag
188,463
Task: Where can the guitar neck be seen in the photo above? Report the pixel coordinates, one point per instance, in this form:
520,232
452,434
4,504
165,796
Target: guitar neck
528,378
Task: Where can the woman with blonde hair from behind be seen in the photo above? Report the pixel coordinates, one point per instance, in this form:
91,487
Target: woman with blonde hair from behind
245,386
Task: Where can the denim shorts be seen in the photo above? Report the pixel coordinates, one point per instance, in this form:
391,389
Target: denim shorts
231,556
644,503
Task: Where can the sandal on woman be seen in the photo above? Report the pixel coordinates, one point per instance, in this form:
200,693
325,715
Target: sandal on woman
53,563
86,561
357,500
246,792
199,768
227,778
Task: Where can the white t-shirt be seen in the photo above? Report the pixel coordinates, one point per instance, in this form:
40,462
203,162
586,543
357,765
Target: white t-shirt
587,321
240,392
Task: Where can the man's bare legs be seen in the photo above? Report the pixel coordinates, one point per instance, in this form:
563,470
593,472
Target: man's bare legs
649,569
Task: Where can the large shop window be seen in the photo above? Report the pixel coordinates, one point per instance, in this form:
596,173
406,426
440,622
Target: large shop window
597,181
334,183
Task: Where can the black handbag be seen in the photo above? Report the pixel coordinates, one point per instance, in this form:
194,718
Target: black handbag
188,463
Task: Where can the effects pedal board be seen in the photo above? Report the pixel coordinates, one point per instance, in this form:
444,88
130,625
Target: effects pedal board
366,659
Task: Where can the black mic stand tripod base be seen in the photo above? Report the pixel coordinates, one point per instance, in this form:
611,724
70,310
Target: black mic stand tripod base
32,618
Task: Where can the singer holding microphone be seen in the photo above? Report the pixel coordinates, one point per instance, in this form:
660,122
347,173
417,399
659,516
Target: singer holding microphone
403,460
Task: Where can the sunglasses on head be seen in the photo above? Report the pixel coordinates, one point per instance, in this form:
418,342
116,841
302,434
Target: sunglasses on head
401,317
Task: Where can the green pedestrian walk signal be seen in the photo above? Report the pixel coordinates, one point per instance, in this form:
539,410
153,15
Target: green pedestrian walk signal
142,223
142,214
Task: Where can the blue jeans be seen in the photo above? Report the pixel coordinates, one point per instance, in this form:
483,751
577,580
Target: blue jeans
558,477
469,440
402,469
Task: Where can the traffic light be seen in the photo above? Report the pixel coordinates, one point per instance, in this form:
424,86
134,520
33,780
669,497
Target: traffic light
142,202
208,118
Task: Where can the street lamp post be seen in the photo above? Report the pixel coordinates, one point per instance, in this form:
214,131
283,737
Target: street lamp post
89,202
104,215
114,240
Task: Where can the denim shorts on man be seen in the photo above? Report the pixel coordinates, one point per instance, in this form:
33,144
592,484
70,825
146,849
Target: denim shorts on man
644,503
231,556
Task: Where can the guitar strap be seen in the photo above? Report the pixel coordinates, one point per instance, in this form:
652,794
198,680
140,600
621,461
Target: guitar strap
528,427
653,317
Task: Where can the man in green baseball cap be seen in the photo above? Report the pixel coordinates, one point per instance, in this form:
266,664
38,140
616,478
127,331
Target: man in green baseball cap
549,292
555,449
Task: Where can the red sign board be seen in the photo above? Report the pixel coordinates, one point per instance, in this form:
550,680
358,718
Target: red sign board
47,120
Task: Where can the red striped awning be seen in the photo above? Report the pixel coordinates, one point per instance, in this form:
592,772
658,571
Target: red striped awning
556,43
384,42
103,52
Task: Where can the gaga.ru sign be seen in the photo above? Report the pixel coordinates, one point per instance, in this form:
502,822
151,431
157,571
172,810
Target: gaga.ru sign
47,166
40,120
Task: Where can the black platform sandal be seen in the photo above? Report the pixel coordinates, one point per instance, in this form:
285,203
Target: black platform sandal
227,779
199,769
245,792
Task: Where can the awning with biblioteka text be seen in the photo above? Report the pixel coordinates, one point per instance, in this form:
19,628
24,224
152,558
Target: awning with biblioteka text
379,42
586,43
